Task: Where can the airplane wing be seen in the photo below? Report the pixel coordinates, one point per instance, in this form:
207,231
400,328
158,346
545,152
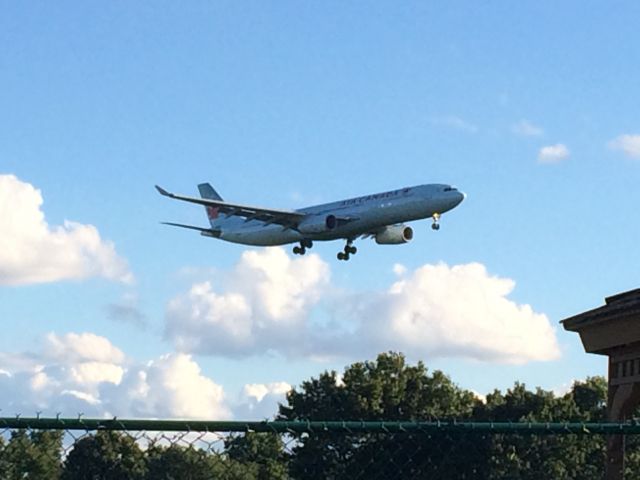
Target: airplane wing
286,218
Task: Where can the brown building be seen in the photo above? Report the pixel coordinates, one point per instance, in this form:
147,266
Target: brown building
614,330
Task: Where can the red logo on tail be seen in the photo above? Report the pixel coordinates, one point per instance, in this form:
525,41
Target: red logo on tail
212,212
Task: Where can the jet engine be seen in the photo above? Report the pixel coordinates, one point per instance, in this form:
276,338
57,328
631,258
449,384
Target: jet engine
394,235
318,224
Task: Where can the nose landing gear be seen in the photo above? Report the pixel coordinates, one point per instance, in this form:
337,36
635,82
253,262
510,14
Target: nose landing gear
302,249
436,218
349,249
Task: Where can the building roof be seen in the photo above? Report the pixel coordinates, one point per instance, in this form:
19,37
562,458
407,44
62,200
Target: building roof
624,304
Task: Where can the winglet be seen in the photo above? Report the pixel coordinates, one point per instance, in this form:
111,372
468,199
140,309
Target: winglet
162,191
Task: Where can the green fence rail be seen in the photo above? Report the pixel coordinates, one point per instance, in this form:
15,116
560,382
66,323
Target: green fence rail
116,424
81,448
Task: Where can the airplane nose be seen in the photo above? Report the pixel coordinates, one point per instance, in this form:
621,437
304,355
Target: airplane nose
461,197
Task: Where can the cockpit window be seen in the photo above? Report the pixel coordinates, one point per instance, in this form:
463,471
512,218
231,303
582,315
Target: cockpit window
450,189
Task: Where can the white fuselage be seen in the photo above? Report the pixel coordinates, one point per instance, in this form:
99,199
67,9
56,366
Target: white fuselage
369,213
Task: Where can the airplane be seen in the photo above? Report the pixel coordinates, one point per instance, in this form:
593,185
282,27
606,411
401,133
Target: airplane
380,216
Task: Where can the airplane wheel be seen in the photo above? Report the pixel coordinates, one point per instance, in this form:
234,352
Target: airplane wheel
340,256
436,226
297,251
352,250
307,243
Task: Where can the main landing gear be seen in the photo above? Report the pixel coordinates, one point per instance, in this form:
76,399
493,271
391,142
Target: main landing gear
436,225
349,249
302,249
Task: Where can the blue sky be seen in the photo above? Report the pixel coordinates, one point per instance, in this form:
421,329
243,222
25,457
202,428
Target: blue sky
287,104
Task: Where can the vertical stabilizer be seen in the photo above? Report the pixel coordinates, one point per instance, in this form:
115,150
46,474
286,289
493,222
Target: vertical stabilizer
208,192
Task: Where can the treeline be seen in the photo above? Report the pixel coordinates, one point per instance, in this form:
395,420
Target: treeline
119,456
385,389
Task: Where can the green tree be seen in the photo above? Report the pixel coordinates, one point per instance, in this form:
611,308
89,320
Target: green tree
384,389
106,455
179,463
529,457
263,453
590,399
389,389
257,459
3,464
34,455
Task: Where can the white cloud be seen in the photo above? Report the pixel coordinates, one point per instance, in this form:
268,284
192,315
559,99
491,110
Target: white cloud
259,391
479,396
259,400
88,373
433,311
454,122
526,129
171,386
33,252
85,373
82,396
79,347
264,306
628,144
459,311
553,153
399,269
562,390
65,372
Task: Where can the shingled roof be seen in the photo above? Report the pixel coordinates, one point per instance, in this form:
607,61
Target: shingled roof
626,304
614,326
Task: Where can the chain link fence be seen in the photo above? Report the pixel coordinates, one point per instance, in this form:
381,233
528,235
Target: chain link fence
62,448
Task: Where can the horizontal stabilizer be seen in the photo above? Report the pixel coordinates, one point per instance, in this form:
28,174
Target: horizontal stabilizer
207,232
163,191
